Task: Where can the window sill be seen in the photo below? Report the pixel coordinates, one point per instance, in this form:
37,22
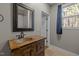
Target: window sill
70,28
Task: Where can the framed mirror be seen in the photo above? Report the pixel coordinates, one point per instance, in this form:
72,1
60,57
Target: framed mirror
23,18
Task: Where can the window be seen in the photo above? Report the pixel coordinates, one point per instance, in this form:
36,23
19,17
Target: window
70,15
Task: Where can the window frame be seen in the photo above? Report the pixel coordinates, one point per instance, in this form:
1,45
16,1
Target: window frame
69,28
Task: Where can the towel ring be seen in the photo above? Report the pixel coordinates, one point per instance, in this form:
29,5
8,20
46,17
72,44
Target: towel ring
1,18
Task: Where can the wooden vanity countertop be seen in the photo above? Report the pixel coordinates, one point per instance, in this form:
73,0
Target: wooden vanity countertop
14,45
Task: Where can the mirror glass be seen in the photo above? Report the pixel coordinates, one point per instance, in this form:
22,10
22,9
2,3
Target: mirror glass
24,17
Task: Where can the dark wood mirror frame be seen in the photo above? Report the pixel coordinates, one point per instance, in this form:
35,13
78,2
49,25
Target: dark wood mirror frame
15,18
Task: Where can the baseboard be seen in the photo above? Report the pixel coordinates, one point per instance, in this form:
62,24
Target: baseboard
61,49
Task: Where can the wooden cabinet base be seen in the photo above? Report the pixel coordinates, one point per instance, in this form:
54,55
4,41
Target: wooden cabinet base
35,48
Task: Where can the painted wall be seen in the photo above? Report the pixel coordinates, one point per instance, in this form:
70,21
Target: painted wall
69,40
6,26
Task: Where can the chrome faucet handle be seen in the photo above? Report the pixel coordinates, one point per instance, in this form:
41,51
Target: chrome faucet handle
18,36
22,34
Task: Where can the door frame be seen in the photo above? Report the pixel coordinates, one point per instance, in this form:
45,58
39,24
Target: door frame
48,37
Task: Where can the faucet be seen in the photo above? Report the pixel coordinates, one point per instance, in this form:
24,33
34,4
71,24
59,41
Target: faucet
21,35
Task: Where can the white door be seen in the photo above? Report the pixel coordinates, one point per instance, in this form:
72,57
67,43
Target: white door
44,29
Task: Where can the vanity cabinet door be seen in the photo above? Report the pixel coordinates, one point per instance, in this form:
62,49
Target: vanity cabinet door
41,53
26,50
33,49
17,52
40,48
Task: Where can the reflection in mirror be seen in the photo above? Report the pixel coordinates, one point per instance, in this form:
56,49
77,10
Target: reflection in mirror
24,18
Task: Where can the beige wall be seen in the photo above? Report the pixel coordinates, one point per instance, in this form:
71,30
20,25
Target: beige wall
70,37
6,26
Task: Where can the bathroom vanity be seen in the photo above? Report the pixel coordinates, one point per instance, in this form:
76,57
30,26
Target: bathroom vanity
29,46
